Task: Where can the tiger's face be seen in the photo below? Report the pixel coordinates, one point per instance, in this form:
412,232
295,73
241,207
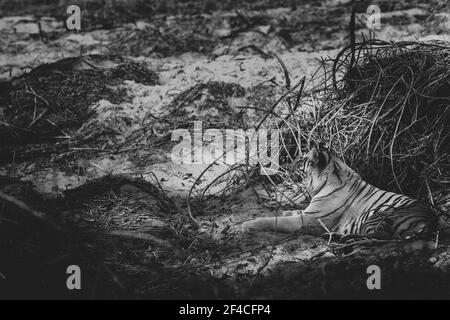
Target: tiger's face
316,169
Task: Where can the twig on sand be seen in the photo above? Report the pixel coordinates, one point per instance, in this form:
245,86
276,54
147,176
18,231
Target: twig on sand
26,208
329,233
285,70
277,103
141,236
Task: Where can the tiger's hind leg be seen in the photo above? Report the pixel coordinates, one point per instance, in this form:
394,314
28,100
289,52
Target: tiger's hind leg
406,222
351,238
377,227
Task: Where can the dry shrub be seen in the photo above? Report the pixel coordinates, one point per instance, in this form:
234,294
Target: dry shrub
53,100
388,116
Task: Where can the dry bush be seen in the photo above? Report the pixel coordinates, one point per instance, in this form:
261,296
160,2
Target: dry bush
388,115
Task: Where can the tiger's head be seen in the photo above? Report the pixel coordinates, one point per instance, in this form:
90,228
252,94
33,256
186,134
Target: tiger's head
320,168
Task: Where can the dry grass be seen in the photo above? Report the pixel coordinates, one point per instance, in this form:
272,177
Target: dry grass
388,115
104,226
52,101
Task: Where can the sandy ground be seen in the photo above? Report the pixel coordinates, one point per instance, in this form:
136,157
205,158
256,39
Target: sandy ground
246,255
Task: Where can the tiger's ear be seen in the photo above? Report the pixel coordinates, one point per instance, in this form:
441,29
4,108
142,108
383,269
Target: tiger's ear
319,159
313,156
324,159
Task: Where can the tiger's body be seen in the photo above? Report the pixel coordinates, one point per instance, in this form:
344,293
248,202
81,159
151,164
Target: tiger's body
347,205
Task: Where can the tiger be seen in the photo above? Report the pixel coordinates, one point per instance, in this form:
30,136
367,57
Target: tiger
345,204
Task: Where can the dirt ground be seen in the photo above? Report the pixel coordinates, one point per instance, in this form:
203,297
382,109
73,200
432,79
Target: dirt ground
84,142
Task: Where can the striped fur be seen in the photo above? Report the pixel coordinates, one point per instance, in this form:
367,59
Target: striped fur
348,205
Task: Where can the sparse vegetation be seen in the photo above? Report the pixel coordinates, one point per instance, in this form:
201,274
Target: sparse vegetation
86,175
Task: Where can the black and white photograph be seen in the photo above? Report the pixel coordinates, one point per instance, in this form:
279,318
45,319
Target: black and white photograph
229,156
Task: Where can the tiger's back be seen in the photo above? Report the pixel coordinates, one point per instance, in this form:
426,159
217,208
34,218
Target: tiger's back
367,210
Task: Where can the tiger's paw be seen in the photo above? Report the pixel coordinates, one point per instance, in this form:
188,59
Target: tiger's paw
258,224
